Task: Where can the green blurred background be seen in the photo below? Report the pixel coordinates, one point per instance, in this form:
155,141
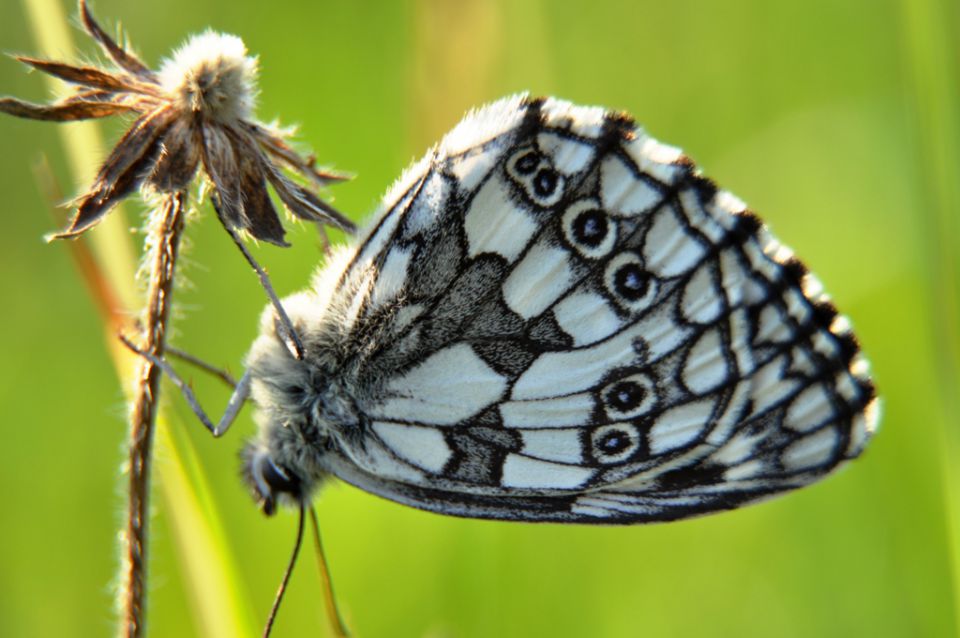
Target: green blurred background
835,119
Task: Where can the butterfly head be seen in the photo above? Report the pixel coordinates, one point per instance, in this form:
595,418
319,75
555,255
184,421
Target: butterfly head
270,482
285,462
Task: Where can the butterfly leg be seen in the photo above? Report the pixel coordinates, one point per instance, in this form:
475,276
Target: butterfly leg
241,391
209,368
290,336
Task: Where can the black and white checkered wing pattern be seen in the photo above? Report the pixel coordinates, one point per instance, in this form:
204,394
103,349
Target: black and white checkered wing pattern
558,318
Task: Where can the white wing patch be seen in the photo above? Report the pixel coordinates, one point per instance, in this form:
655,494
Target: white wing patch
574,371
737,449
472,167
365,283
423,211
381,461
495,224
747,470
392,276
706,368
734,280
774,327
680,426
450,386
739,325
698,218
660,161
771,385
567,411
561,445
421,446
660,333
812,450
733,413
538,280
702,302
587,317
524,472
568,156
621,193
670,250
586,121
810,409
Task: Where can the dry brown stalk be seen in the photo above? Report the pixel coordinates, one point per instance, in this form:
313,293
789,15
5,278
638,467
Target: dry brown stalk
165,242
194,116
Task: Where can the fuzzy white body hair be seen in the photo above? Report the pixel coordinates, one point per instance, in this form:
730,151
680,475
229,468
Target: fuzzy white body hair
299,401
306,406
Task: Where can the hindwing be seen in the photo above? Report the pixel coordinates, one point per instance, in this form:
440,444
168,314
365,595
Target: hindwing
556,317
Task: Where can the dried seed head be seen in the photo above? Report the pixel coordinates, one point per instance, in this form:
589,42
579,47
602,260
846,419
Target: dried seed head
213,77
193,116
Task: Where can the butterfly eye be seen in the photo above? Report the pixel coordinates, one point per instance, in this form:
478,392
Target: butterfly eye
268,480
588,229
629,283
614,443
630,396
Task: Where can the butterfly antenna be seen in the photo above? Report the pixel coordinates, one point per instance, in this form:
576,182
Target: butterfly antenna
286,577
333,612
289,333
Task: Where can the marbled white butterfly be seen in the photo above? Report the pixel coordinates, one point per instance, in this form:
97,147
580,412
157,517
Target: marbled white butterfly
554,317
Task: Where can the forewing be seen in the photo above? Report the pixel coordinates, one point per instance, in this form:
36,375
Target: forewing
558,318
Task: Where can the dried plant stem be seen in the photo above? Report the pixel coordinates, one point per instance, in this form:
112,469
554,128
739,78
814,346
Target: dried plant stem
329,598
164,240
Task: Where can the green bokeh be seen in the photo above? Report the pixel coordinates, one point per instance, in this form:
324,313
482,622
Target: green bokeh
825,115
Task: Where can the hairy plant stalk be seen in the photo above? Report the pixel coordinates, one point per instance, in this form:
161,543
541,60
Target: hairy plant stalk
164,241
193,119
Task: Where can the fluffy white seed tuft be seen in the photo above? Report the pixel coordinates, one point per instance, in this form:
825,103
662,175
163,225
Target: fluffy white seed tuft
212,75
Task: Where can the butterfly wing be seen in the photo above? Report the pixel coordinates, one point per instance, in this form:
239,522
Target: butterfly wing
556,317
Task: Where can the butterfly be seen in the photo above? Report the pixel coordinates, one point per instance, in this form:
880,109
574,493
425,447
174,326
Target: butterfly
554,317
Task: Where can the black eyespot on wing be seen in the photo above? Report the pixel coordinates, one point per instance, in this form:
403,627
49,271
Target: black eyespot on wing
545,183
590,227
613,443
631,282
628,394
537,179
527,163
625,396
